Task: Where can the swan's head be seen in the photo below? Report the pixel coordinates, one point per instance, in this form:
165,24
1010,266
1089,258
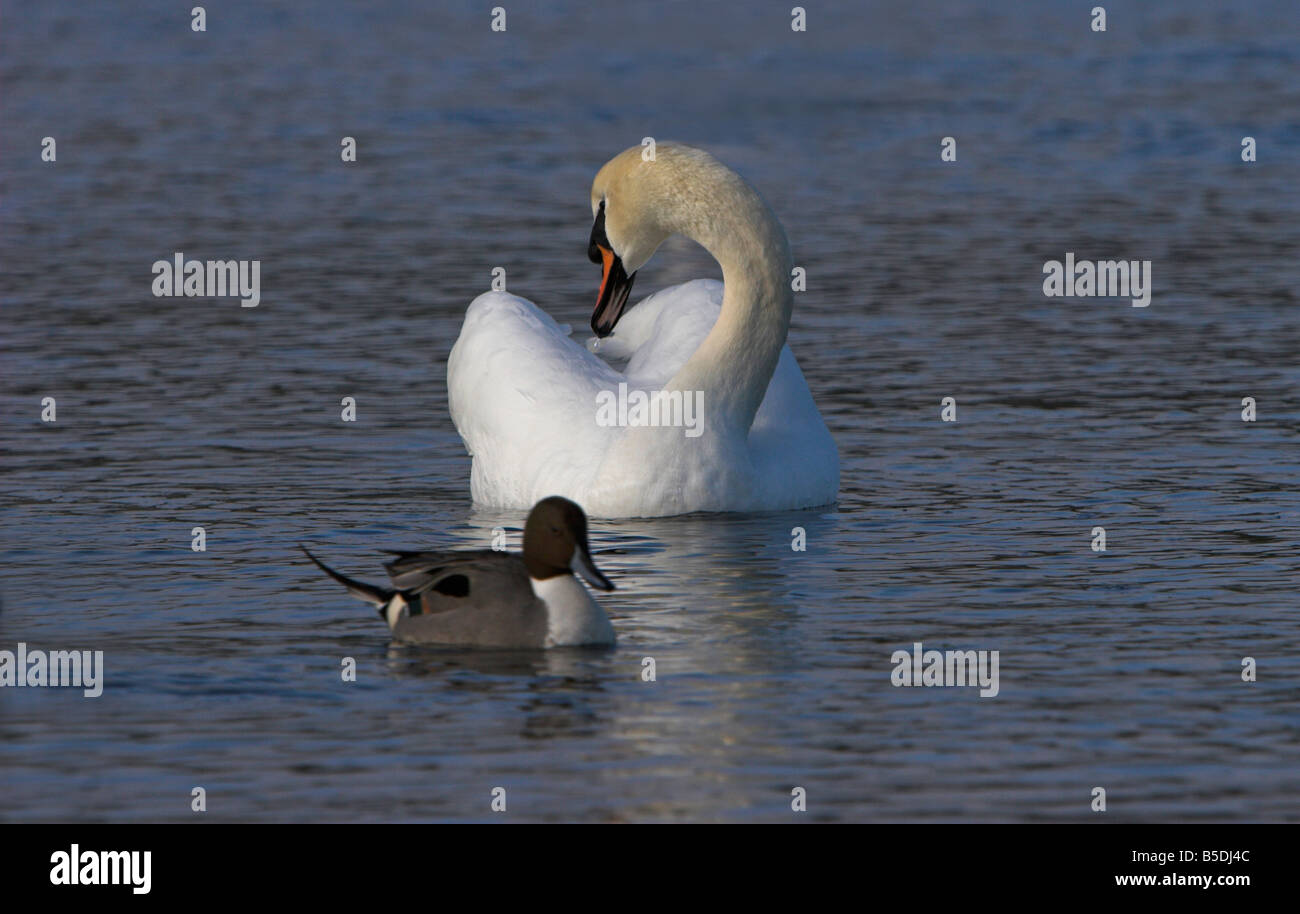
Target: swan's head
637,202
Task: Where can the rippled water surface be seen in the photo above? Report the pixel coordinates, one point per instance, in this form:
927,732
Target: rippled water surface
476,150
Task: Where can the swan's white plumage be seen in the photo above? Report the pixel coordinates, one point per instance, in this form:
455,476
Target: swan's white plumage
523,396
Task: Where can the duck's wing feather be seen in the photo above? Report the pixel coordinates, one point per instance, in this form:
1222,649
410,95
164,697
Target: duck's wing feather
457,573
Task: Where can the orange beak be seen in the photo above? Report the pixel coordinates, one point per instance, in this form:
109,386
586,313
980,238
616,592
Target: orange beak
607,259
615,284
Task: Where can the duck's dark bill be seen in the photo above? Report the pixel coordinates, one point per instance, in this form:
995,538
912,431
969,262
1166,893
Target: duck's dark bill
583,566
615,286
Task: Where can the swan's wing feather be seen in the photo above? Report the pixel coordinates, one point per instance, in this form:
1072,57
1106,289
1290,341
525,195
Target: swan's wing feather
664,330
516,384
523,397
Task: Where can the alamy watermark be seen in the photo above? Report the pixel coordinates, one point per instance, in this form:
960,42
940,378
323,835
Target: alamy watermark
77,867
1104,279
199,279
53,669
682,409
946,668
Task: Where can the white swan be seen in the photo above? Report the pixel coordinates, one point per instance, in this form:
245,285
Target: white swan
532,405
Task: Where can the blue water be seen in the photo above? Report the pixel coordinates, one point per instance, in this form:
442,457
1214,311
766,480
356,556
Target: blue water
476,149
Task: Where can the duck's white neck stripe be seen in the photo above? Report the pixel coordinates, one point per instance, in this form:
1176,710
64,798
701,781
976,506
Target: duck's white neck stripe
572,616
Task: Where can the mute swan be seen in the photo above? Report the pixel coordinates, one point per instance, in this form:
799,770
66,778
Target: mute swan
495,599
540,414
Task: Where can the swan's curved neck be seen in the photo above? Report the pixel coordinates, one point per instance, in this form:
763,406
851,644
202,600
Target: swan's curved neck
734,364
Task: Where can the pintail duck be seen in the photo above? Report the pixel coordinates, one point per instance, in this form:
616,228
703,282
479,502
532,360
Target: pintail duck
484,598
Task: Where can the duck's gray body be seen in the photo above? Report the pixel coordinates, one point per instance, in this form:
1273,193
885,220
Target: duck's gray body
484,598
